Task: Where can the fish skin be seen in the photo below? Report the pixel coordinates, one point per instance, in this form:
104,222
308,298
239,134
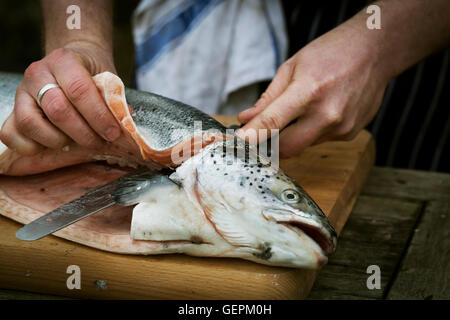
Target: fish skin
163,116
8,86
272,231
242,200
151,111
158,120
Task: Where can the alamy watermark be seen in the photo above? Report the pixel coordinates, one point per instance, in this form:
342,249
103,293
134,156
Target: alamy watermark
73,21
374,20
74,280
374,280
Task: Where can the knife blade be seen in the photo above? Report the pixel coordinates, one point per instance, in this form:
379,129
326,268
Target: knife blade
126,190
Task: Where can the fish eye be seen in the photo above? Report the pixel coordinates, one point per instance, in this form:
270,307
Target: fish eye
290,196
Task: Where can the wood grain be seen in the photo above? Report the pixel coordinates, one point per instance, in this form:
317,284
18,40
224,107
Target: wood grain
332,173
424,273
376,233
408,184
400,222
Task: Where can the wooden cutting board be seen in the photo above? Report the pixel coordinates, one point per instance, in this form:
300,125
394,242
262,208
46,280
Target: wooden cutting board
332,173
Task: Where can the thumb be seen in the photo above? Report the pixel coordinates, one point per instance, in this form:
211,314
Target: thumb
278,85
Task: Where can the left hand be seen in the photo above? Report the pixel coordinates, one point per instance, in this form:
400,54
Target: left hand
330,90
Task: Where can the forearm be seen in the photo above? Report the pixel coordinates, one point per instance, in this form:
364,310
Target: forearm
96,24
410,30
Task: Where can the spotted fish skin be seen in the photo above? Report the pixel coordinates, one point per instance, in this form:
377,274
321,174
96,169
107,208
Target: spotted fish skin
248,202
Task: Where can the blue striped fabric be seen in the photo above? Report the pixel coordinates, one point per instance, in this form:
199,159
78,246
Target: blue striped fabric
171,32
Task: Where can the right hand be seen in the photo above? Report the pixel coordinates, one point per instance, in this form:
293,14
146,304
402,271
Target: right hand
75,111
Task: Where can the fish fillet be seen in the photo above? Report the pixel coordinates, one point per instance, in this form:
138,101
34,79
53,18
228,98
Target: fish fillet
109,230
59,176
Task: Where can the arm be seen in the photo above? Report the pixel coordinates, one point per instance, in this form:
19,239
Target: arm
95,32
75,111
333,87
411,30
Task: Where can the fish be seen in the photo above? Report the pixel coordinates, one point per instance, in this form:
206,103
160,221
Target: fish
226,199
152,131
233,207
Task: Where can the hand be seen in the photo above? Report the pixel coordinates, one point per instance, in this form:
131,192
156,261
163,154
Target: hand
75,111
329,90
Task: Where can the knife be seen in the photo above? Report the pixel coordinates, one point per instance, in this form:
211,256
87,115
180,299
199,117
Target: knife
127,190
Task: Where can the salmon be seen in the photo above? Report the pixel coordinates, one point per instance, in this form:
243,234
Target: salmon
226,199
152,132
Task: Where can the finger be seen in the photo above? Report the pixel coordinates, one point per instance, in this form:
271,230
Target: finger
33,125
287,107
276,87
14,140
58,108
303,133
78,86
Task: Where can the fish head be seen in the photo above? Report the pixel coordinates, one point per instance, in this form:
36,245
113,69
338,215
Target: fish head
310,234
257,208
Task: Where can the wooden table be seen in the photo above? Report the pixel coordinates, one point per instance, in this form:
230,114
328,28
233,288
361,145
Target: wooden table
401,223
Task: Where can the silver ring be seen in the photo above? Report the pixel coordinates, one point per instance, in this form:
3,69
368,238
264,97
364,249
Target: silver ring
44,89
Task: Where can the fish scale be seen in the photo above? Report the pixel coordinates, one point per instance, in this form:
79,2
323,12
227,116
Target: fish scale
163,116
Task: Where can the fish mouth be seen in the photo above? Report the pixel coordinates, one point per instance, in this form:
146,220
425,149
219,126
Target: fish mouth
321,237
321,232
